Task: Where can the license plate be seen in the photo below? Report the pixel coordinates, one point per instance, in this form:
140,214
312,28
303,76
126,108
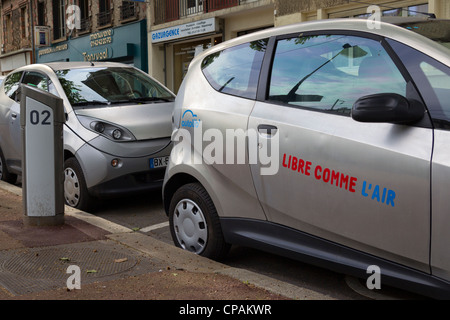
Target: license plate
159,162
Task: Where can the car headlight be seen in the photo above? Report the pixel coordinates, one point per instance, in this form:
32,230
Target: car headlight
109,130
117,134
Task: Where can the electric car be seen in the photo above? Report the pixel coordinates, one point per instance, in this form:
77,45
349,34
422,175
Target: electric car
325,141
116,134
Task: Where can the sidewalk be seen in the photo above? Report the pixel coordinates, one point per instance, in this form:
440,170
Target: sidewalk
114,263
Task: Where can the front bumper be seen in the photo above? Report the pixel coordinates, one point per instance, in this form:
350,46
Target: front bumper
133,183
131,175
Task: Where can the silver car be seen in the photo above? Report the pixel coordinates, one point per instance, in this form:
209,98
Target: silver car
327,142
117,133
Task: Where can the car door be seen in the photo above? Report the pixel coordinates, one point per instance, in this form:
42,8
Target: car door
433,82
362,185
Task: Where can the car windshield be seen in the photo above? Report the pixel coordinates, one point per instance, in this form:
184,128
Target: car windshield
96,87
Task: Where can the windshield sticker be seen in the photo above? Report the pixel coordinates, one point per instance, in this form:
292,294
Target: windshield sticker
339,179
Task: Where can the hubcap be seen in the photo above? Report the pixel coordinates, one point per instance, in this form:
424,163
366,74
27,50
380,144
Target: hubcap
190,226
71,187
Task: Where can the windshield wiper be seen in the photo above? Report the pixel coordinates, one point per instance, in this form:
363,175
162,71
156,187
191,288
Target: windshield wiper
225,84
92,102
144,99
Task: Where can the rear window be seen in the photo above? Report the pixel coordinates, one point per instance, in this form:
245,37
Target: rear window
236,70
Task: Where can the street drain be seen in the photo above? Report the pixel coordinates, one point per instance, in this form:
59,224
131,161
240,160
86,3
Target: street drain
53,263
36,269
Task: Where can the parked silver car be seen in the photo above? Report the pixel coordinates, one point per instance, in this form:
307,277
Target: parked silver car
326,142
117,133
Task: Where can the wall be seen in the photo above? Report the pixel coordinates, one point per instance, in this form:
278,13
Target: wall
248,20
305,10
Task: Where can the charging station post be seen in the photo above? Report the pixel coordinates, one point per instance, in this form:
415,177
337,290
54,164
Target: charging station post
42,118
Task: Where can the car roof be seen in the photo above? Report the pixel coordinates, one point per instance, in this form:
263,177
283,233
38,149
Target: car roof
55,66
387,30
81,64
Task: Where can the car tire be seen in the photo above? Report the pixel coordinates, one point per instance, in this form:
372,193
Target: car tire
76,194
5,175
194,223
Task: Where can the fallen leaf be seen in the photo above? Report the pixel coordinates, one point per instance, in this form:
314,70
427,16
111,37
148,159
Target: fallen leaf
121,260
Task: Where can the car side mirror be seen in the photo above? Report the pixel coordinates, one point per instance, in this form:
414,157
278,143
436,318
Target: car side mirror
387,107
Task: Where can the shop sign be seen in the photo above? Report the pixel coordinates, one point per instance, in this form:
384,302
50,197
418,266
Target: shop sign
54,49
101,37
106,53
185,30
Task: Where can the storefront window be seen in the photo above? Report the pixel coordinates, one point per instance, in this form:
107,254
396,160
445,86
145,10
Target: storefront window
185,52
417,10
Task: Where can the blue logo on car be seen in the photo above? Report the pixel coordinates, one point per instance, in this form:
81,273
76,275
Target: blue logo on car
189,123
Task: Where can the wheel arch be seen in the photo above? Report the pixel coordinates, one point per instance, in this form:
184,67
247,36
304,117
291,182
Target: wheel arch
68,154
173,184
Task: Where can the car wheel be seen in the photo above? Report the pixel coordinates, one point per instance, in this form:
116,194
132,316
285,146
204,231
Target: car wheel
5,175
194,223
75,191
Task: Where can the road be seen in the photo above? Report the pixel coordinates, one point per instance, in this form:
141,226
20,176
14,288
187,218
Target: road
146,214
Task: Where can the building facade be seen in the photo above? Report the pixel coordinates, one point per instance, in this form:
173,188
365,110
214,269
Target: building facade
161,37
180,29
73,30
15,37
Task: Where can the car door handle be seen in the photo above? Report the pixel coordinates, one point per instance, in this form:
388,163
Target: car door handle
14,115
267,129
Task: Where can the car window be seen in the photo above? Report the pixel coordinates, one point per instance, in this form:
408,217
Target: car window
52,88
439,79
36,79
432,79
236,70
96,87
12,84
330,72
